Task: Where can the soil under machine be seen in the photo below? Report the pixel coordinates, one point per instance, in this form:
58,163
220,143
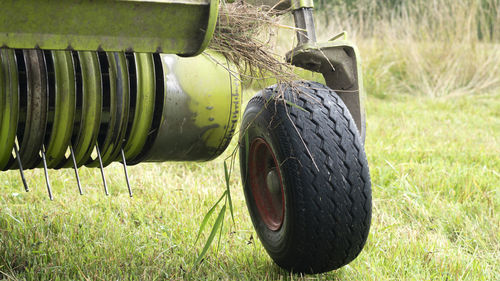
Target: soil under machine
88,83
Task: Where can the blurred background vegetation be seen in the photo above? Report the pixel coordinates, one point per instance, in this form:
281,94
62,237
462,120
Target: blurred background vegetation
486,12
435,48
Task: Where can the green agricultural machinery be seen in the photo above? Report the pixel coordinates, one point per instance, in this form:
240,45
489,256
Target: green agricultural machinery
88,83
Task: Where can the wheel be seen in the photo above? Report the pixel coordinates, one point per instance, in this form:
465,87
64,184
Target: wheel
305,177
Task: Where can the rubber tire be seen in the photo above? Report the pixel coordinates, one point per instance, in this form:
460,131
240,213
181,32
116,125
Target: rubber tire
328,208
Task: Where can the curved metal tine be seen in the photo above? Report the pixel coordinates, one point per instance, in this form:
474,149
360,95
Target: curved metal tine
124,162
47,181
75,167
102,170
18,157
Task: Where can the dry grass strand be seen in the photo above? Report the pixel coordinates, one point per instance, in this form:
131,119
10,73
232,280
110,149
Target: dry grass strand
245,35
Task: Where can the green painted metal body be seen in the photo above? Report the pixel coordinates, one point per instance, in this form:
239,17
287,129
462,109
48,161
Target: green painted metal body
169,26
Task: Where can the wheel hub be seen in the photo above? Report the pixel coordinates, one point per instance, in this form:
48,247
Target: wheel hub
266,184
273,182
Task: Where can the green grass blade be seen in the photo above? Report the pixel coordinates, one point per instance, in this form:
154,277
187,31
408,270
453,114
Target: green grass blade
247,145
294,105
220,235
207,217
228,191
247,149
215,228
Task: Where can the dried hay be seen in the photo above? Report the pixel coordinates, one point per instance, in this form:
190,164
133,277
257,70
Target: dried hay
244,35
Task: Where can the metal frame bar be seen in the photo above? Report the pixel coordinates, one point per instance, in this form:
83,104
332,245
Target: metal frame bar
170,26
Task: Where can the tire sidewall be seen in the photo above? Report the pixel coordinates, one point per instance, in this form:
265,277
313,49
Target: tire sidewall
260,114
324,172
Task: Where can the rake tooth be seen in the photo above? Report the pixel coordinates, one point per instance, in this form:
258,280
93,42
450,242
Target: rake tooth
26,188
124,162
102,170
47,181
75,167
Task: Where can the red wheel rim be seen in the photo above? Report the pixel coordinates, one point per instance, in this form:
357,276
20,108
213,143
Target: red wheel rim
266,184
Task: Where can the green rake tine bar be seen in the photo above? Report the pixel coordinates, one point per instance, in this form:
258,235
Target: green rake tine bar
124,162
47,181
75,167
23,178
102,170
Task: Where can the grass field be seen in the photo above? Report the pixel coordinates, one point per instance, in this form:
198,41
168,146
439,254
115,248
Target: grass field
435,170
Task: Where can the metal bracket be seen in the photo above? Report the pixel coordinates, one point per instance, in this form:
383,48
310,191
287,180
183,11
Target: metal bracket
338,61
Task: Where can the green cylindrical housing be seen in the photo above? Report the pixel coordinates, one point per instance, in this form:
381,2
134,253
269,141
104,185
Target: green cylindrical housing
201,108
